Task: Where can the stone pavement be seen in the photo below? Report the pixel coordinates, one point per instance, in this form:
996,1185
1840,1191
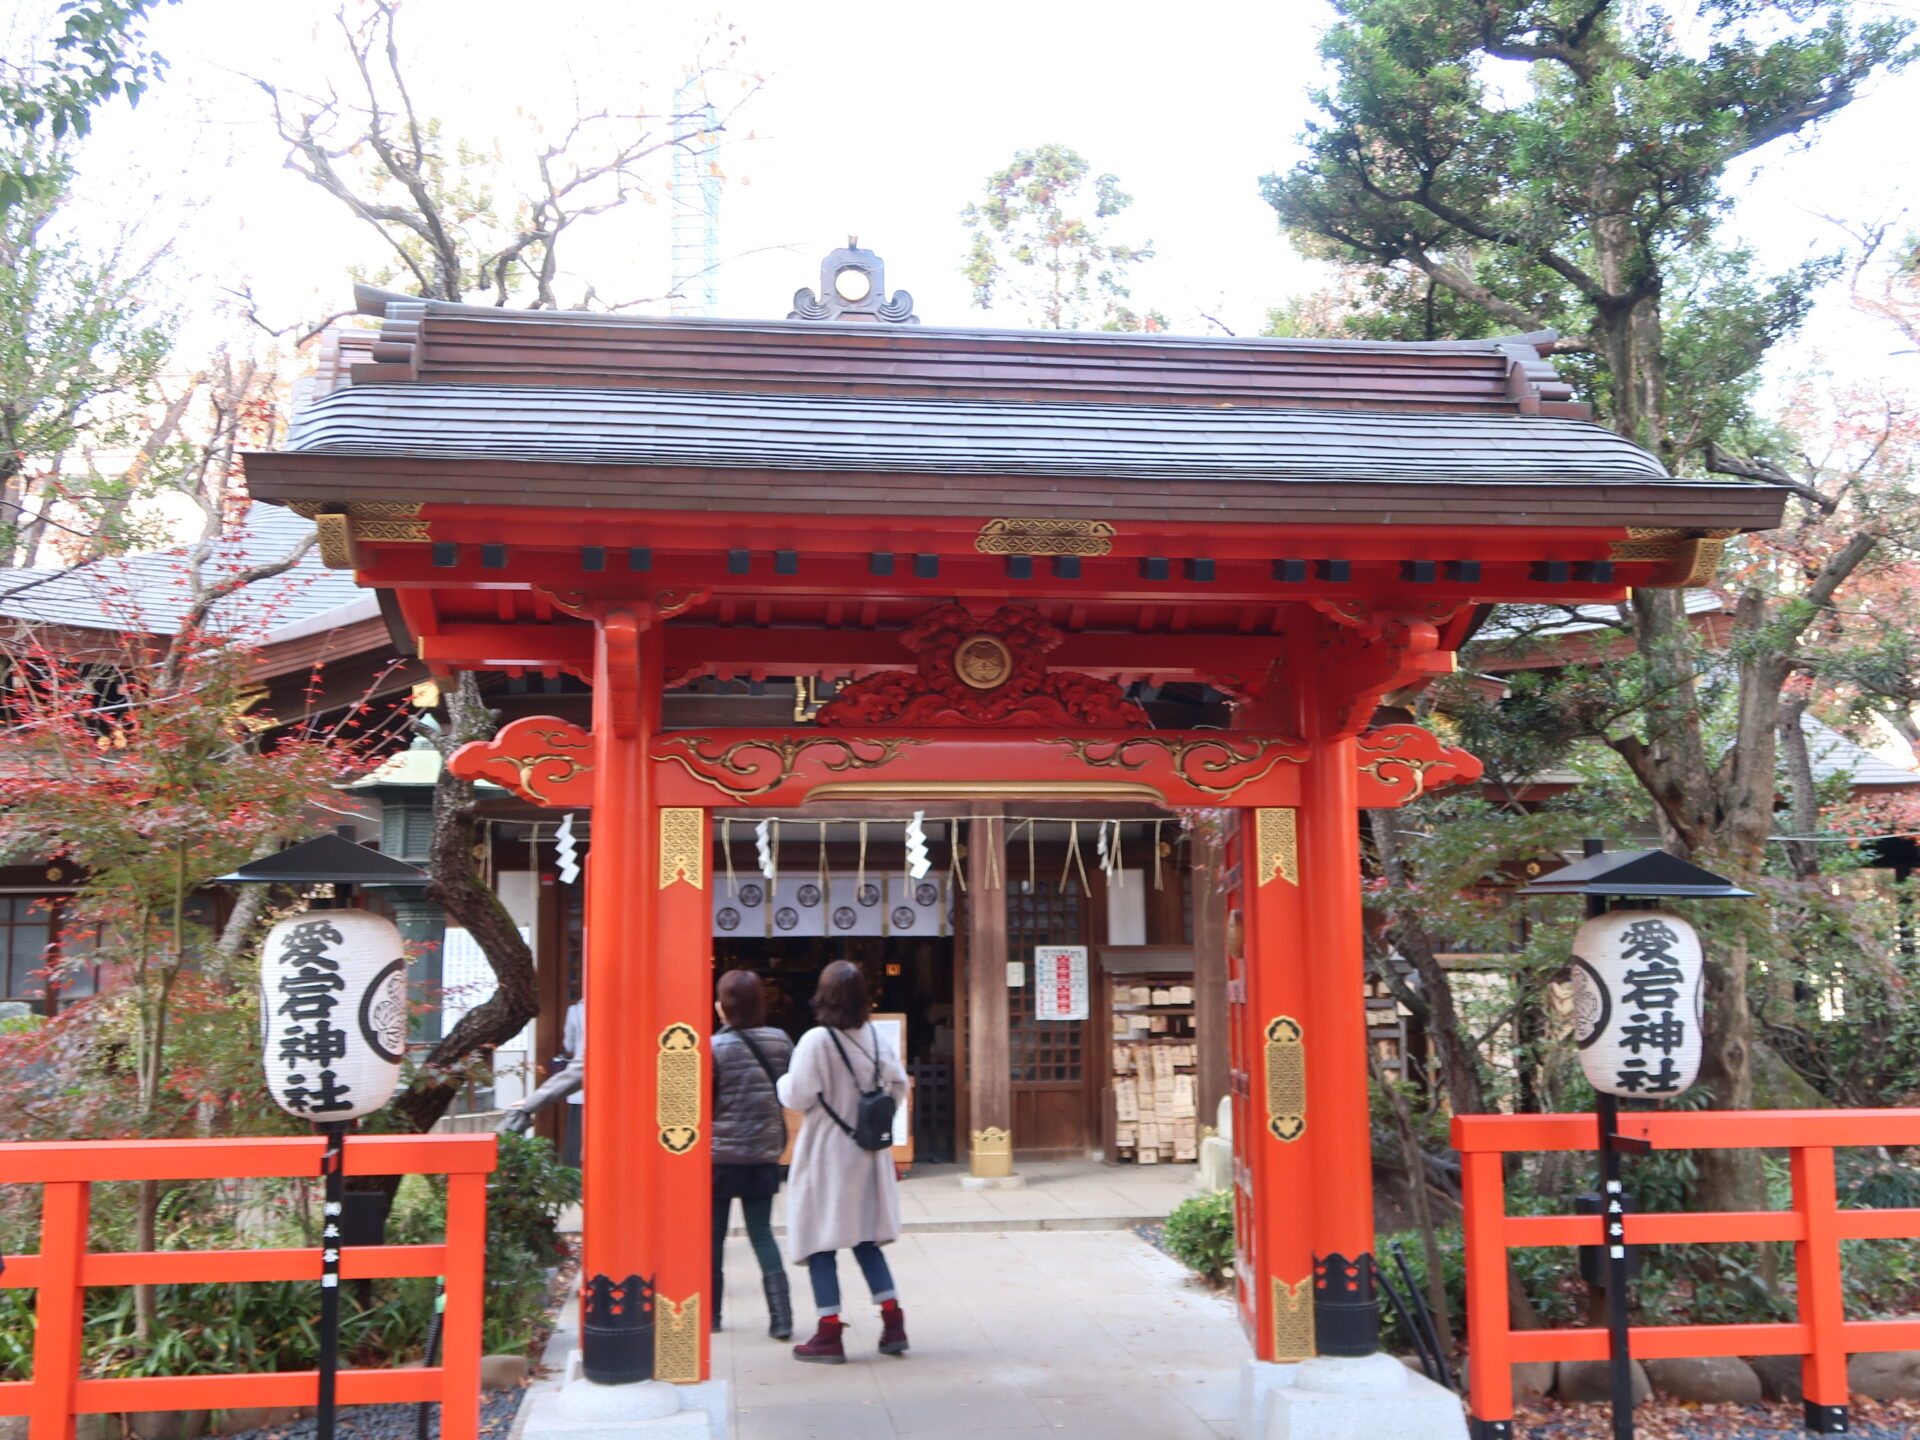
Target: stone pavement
1081,1335
1033,1312
1076,1195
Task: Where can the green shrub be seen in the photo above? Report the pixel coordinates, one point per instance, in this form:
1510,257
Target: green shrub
214,1328
1549,1277
1199,1234
525,1196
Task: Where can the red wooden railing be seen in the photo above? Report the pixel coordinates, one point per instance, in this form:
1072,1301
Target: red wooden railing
65,1267
1815,1225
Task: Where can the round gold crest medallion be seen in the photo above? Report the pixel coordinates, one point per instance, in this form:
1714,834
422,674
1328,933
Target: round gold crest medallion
982,662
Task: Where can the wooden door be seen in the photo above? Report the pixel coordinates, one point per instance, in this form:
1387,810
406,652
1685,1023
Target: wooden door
1053,1117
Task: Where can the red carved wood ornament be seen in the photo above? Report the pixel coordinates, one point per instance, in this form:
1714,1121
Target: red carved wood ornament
982,671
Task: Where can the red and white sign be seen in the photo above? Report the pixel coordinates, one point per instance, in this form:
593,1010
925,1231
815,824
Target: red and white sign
1060,982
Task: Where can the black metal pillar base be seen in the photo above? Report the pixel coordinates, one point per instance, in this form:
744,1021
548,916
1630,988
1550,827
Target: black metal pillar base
616,1330
1478,1429
1346,1307
1827,1419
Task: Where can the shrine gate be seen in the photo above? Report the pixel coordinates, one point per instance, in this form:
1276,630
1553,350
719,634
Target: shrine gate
994,540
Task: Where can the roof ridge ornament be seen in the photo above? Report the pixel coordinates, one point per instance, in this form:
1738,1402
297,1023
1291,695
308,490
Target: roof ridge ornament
853,287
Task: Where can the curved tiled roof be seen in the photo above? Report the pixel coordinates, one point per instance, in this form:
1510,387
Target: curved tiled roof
465,405
682,428
147,593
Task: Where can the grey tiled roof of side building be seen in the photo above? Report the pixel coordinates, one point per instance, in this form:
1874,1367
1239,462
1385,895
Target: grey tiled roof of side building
146,592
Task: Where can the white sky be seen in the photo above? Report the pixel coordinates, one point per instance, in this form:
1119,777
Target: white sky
880,121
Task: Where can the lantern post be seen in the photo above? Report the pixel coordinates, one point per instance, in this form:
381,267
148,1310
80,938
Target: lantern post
333,1028
1638,1024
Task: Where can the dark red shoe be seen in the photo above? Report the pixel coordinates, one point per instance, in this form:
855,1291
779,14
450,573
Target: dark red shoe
893,1331
825,1347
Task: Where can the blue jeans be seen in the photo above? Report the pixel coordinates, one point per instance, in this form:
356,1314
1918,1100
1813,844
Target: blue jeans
824,1270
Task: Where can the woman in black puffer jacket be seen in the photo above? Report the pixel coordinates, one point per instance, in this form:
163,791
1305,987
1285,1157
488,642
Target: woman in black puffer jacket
749,1134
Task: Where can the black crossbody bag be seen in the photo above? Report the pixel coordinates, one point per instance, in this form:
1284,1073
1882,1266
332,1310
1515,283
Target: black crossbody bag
872,1127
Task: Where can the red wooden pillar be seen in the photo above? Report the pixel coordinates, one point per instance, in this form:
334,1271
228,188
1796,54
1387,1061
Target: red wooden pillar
683,1175
621,1153
1274,1119
1346,1313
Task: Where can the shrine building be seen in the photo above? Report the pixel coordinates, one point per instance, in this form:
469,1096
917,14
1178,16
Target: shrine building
1112,615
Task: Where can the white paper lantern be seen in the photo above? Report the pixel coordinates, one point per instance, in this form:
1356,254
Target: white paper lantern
333,1012
1637,1011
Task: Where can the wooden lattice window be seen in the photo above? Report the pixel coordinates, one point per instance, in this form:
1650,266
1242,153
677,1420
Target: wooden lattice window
28,926
1043,912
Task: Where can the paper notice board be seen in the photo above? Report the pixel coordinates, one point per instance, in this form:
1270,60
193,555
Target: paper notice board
1060,982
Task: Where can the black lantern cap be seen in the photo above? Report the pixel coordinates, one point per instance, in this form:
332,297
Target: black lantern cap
1636,872
327,859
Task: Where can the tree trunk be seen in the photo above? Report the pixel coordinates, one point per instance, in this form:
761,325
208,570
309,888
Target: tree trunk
1729,1179
1671,761
1415,1159
1459,1070
1629,331
146,1238
1803,809
13,508
459,888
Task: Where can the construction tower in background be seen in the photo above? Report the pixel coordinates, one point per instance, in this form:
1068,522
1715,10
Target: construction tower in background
696,201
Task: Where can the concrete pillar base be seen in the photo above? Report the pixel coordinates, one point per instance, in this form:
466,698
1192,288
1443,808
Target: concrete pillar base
652,1410
1215,1170
1330,1398
993,1182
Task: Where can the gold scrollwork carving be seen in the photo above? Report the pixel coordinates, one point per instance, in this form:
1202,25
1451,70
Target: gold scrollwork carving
1286,1079
574,602
1276,845
676,1340
531,777
670,603
1414,766
676,1100
682,847
745,778
1231,756
1045,537
1292,1319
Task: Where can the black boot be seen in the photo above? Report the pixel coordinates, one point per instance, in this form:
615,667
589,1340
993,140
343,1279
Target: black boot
779,1304
719,1289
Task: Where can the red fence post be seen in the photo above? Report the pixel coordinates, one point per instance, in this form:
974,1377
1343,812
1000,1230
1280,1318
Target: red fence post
1817,1265
1484,1217
466,1300
59,1307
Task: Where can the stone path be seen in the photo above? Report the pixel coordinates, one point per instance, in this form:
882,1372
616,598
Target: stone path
1032,1312
1082,1335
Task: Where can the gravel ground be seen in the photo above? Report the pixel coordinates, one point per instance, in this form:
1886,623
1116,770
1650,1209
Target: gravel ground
1548,1420
1545,1420
396,1422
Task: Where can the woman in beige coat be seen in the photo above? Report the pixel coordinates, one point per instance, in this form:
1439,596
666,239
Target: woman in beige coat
839,1196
